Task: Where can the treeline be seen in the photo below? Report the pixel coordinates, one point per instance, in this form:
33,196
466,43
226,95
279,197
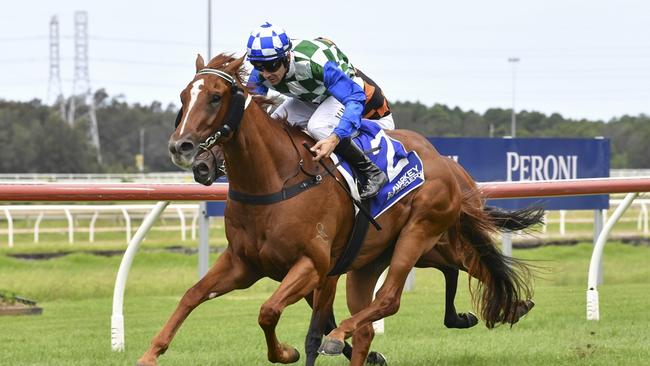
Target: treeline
34,138
629,135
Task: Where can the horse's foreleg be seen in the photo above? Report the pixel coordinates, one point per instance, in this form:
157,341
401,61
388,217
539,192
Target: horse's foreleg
228,273
301,279
410,246
452,318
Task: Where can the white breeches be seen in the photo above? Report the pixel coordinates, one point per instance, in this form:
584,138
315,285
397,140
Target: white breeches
319,119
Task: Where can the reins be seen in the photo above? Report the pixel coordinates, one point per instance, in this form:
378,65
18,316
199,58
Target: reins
302,161
286,192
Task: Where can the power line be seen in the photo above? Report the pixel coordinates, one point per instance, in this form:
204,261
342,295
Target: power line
441,51
22,60
140,62
145,41
24,38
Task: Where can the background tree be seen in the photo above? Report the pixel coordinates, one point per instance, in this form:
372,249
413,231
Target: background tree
34,138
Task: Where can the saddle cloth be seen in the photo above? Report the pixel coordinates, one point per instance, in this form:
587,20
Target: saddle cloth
404,169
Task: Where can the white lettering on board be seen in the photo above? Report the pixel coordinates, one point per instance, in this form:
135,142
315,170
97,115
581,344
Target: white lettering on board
537,167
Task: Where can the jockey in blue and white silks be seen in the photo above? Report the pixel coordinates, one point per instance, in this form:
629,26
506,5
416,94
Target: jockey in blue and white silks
328,96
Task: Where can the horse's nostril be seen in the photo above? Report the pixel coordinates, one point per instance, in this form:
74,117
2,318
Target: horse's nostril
201,169
201,172
186,146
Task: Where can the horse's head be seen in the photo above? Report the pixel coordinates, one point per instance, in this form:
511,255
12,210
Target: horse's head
212,107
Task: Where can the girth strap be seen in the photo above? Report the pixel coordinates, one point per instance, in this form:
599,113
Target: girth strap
359,231
284,194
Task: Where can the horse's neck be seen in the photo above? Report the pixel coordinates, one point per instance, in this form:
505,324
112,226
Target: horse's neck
260,158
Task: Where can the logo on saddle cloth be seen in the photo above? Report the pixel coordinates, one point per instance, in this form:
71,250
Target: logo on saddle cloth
404,169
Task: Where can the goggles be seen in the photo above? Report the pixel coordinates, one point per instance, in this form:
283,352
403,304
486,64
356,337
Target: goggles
268,66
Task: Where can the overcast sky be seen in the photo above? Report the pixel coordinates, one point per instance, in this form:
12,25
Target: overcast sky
583,59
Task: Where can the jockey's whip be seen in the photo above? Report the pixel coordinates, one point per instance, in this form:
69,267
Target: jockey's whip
358,204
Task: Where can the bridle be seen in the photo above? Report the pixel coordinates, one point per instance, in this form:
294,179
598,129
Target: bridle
238,103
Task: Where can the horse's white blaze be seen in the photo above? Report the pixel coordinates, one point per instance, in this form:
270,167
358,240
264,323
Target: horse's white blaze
194,94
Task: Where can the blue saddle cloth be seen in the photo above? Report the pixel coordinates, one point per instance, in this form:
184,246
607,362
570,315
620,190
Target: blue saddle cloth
404,169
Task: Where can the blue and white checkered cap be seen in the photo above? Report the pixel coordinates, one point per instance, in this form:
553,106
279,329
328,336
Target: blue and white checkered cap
267,42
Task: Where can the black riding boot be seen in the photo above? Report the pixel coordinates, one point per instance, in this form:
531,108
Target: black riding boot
374,177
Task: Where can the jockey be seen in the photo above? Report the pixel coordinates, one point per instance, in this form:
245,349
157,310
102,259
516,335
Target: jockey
327,95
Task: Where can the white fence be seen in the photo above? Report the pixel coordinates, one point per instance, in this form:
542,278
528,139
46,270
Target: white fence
158,177
70,212
642,218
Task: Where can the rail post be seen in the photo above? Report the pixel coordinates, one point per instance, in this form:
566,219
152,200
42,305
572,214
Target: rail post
91,229
593,312
37,225
10,228
204,245
68,215
117,318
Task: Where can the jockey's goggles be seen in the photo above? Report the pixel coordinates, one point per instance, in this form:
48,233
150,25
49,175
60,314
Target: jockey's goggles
268,66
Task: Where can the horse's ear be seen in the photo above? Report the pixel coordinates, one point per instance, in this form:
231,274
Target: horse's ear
200,64
178,118
235,65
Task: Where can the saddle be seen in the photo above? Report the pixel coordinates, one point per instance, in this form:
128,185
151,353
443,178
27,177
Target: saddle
405,173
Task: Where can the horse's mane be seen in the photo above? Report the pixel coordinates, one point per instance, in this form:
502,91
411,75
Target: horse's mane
222,62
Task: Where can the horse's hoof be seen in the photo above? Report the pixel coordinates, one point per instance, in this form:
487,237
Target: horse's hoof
522,309
462,321
530,304
293,356
146,362
331,346
525,308
287,355
470,319
376,359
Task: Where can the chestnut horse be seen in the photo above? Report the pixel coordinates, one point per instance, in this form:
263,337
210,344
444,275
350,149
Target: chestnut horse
298,240
209,165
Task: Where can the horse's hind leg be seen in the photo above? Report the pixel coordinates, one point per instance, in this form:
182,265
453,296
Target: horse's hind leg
442,257
228,273
360,287
322,320
301,279
504,278
452,318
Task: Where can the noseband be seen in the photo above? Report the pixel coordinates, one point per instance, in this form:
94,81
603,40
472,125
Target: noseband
238,103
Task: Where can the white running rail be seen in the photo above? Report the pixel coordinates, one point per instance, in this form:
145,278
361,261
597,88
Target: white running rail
125,210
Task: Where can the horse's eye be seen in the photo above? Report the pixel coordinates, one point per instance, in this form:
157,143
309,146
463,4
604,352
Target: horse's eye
215,99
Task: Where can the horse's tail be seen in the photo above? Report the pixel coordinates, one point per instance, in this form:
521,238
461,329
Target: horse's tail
504,282
515,220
